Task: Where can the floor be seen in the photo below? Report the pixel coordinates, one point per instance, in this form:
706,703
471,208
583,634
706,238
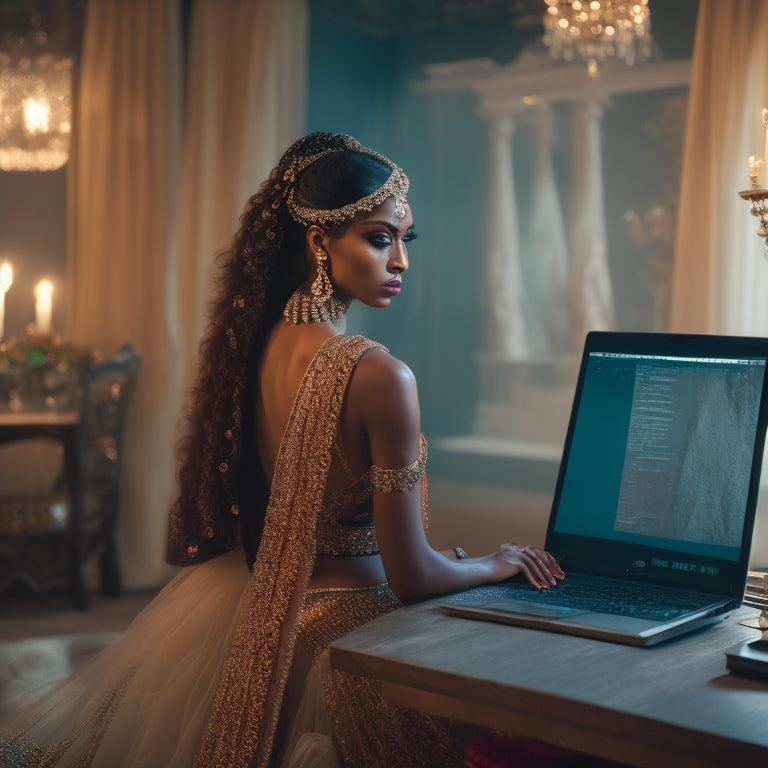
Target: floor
25,616
43,638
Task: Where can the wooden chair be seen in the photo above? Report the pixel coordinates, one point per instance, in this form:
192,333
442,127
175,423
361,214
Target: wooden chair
47,536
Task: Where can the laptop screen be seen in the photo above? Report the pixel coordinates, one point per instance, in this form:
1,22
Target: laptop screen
660,454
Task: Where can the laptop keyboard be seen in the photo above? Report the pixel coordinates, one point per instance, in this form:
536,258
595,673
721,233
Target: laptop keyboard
623,599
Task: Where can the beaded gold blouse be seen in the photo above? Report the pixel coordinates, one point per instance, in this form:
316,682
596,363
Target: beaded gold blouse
345,523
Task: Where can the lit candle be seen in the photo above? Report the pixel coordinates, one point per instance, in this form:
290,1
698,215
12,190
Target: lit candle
43,306
6,281
754,164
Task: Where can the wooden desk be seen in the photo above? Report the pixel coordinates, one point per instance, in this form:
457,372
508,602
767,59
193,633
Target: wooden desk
670,705
62,426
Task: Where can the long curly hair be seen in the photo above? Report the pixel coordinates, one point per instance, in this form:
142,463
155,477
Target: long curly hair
222,488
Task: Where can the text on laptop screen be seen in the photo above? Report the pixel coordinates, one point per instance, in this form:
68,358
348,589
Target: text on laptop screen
661,452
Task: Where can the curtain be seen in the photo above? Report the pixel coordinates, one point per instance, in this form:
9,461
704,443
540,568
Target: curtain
153,196
720,281
246,104
122,202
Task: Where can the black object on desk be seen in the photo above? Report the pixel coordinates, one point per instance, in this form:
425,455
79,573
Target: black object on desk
749,659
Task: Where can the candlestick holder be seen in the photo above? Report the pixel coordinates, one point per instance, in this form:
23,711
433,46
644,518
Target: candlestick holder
758,206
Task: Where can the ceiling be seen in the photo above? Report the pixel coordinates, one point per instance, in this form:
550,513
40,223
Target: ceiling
37,26
386,18
60,20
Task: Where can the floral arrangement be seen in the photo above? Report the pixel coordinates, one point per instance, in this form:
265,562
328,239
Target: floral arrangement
39,368
38,350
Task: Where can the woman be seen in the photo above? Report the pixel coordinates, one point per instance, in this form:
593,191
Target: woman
305,454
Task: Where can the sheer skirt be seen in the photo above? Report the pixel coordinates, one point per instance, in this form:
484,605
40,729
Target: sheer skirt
144,701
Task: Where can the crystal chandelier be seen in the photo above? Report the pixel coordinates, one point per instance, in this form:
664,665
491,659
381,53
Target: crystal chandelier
595,30
35,109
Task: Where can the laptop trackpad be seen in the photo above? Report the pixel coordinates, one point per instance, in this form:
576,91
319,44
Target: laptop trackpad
525,608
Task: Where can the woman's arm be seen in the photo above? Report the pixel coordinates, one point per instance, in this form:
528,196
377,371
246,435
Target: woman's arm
383,396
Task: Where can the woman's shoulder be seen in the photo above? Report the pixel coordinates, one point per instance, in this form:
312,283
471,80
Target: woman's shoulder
382,401
374,364
383,390
378,368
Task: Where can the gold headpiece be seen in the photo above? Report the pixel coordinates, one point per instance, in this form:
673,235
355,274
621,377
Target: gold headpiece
396,186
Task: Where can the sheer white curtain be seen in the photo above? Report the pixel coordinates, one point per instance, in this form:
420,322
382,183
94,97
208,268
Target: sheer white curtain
122,202
246,104
720,282
140,248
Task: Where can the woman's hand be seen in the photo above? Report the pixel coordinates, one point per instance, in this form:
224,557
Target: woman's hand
538,566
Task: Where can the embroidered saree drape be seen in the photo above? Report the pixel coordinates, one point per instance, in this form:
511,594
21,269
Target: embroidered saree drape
248,700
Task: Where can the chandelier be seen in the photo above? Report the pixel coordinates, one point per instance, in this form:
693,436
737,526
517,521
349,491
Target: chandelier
35,109
595,30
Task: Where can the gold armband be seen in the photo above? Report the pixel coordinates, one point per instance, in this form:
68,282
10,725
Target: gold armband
403,479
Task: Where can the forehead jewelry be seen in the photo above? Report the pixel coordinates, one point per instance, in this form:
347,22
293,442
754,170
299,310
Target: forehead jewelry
396,187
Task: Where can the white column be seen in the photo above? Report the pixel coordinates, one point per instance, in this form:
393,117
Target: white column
591,305
506,345
506,336
544,251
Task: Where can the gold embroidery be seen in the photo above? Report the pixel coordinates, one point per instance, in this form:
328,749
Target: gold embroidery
338,447
327,614
339,536
20,752
346,500
247,704
403,479
343,539
385,736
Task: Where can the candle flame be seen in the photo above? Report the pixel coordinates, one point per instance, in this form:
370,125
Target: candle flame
44,290
6,276
765,117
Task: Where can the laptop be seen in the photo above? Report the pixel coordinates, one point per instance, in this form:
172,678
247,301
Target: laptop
656,493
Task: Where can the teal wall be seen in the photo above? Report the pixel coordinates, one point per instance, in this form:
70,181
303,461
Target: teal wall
364,85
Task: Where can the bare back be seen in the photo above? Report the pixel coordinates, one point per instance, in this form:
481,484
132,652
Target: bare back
286,357
288,353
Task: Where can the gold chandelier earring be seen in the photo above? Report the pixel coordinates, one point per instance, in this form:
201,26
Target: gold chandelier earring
321,289
321,305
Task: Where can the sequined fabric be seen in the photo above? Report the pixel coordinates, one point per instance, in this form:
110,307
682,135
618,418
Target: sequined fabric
385,736
345,539
327,614
367,731
392,480
21,752
341,528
